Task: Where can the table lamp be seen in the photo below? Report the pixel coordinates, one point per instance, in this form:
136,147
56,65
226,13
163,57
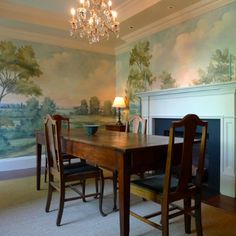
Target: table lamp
119,103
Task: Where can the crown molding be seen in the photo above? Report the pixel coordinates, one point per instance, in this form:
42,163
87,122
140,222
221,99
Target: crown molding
33,15
50,20
8,34
188,13
57,21
130,8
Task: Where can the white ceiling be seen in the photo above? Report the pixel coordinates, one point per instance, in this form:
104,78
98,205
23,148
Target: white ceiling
46,21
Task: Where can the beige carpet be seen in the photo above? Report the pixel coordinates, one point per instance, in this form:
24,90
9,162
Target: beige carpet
22,214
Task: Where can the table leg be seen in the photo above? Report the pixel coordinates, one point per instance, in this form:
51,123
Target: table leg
38,164
124,194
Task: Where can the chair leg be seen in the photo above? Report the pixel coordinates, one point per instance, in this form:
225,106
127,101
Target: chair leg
61,204
49,197
115,176
83,189
101,194
165,220
198,215
96,186
45,170
187,217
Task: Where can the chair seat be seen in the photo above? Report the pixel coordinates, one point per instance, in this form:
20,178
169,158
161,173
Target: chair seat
81,168
67,157
155,183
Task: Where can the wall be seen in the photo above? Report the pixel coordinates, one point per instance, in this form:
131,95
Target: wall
72,82
179,56
201,50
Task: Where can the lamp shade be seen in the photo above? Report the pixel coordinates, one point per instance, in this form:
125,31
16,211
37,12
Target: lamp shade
119,102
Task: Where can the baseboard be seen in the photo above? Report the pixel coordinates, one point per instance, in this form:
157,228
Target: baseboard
19,163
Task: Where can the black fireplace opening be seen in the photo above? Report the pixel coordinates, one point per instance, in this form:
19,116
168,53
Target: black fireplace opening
212,158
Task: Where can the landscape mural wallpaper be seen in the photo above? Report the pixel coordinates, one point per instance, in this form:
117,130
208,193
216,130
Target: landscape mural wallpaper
196,52
37,79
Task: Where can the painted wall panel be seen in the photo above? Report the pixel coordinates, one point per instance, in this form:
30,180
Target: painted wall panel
198,51
75,83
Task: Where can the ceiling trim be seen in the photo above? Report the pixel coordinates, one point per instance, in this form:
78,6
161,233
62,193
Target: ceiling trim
7,33
125,10
188,13
130,8
33,16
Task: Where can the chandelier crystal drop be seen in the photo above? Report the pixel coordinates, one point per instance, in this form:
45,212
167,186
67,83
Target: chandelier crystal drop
93,19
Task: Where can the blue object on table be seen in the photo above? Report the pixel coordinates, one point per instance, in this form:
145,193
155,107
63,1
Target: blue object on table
91,129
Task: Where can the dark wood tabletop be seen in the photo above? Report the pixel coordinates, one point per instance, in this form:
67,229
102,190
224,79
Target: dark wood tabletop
126,152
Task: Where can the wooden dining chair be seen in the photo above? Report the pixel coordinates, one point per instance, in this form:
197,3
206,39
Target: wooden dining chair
135,124
62,176
63,122
168,188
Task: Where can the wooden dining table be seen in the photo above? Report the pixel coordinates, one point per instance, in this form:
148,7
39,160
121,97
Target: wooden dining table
127,153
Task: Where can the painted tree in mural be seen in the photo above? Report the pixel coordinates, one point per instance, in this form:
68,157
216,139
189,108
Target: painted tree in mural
166,80
94,105
140,76
82,109
219,68
32,120
4,142
107,108
48,107
17,67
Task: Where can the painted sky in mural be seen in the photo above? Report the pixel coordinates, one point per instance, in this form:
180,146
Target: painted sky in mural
71,75
184,49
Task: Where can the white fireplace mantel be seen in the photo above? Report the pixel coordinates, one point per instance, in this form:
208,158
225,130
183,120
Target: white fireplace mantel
216,101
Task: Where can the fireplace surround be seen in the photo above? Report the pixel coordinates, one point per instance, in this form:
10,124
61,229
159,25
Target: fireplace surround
209,102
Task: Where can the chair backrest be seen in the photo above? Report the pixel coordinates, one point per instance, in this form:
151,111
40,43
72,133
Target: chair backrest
190,125
62,120
136,124
53,145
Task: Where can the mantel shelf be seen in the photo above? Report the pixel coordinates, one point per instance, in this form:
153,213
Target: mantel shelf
199,90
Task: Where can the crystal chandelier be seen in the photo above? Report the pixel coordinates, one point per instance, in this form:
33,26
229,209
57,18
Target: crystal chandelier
93,19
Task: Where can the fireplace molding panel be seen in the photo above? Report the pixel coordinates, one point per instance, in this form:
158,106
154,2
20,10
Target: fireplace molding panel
216,101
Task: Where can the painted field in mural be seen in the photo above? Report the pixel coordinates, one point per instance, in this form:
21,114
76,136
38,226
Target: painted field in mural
198,51
37,79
